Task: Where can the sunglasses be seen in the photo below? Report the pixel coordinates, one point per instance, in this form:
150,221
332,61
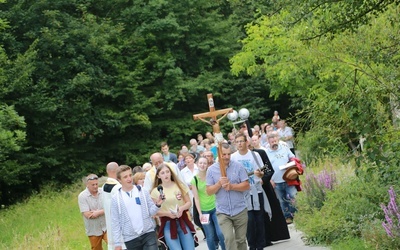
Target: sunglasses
92,178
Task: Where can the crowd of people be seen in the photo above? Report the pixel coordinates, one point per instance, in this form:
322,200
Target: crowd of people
158,205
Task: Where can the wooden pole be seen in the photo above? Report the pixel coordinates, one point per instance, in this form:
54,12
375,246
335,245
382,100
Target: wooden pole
215,125
222,165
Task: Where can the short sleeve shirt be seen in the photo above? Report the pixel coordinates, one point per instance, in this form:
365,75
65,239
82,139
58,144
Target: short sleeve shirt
228,202
87,202
173,197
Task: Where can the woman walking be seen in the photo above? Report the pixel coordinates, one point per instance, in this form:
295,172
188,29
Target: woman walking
176,230
205,205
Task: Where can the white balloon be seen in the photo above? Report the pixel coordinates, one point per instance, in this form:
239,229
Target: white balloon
233,115
244,113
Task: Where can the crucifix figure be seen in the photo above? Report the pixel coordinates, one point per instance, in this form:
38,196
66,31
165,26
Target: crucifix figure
214,122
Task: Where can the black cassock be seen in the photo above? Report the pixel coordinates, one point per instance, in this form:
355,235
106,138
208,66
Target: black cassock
275,229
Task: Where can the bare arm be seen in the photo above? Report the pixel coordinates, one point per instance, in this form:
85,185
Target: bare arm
219,119
204,120
87,214
210,190
287,138
166,214
93,214
187,204
243,186
163,213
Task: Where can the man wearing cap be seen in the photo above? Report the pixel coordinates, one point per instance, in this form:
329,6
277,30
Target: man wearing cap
90,203
280,155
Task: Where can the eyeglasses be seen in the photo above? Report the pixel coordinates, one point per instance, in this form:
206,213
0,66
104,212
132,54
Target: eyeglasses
92,178
240,142
208,156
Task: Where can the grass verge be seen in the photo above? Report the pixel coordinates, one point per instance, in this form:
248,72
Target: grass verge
49,220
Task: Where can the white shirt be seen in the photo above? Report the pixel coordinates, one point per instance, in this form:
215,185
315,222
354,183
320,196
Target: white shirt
132,201
249,163
287,131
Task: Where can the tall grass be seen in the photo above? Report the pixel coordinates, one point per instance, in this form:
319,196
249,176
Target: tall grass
49,220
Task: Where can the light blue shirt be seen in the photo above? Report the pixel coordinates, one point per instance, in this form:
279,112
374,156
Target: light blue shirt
278,158
228,202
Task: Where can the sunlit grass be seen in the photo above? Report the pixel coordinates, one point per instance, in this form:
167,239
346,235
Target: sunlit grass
50,220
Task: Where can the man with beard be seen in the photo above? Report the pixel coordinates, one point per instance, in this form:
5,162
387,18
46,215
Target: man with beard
280,155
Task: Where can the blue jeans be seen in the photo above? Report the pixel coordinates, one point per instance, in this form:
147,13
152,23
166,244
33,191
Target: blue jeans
255,226
213,231
286,196
147,241
183,242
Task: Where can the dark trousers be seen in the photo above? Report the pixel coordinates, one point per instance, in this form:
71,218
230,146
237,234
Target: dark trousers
255,226
147,241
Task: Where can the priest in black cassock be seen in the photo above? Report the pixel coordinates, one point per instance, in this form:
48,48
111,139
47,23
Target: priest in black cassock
275,228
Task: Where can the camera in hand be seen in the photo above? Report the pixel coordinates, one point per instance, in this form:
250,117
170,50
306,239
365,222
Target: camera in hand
264,169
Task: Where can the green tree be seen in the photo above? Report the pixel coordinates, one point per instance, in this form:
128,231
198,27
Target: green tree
108,80
346,83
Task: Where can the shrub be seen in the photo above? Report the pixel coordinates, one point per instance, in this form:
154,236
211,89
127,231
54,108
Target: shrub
386,234
351,244
49,220
376,237
344,211
316,186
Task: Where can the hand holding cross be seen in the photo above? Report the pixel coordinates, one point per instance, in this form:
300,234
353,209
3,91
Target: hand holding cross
214,122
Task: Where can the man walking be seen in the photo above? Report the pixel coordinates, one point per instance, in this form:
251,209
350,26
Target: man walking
230,199
168,156
256,204
131,213
280,155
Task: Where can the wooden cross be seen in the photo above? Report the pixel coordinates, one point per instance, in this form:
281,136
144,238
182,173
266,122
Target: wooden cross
214,122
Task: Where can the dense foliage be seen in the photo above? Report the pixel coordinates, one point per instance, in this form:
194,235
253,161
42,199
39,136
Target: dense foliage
96,81
341,59
347,79
86,82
